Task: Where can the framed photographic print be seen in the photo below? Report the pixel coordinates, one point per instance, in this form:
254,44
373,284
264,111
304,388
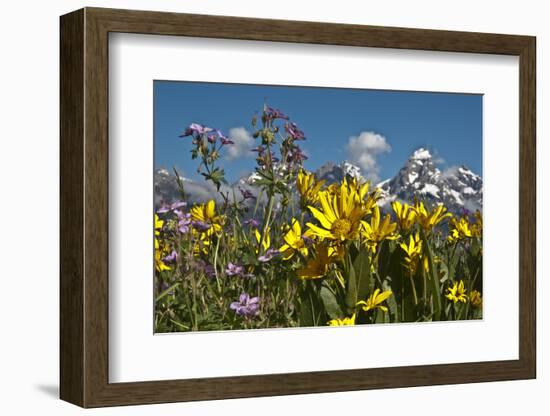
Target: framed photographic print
256,207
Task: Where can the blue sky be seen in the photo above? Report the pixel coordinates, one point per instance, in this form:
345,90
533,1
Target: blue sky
375,129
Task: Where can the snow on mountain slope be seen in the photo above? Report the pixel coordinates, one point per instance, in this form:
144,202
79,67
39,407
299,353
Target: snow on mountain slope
458,187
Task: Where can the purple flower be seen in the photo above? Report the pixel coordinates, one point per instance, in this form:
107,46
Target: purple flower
269,254
195,128
307,241
171,207
224,139
298,155
259,149
180,214
246,306
202,266
171,258
274,113
201,226
252,222
294,132
212,138
184,222
209,270
465,212
246,193
233,269
178,204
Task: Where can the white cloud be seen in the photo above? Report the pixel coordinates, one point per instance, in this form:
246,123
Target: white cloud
363,149
243,143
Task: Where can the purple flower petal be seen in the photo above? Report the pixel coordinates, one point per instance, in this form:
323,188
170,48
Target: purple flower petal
252,222
195,128
171,258
246,306
233,269
268,255
178,204
274,113
244,298
201,226
294,132
259,149
246,193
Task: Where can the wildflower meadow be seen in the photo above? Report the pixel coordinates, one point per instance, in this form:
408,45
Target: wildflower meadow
301,252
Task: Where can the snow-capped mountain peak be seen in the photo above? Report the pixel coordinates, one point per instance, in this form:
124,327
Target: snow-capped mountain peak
332,172
421,154
457,187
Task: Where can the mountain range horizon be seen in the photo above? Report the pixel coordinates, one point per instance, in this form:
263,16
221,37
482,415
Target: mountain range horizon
457,187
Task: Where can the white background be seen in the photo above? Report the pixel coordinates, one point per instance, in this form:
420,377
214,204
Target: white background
133,351
29,164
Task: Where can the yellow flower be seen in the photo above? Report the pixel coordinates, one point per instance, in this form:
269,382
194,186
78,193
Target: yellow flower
319,266
333,188
340,215
405,214
160,252
457,293
428,220
206,213
266,242
342,322
158,225
308,187
413,254
375,301
475,299
160,249
294,241
459,230
360,191
376,231
477,226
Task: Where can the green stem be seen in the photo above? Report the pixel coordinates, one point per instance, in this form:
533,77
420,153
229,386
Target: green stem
216,265
267,219
415,297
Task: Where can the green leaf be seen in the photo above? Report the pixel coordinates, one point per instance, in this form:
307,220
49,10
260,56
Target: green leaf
451,267
179,182
364,280
434,279
380,317
444,272
475,245
391,302
311,309
262,182
359,281
351,291
166,292
331,304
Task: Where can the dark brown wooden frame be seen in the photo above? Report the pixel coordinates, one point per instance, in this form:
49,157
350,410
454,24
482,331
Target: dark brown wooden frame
84,208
